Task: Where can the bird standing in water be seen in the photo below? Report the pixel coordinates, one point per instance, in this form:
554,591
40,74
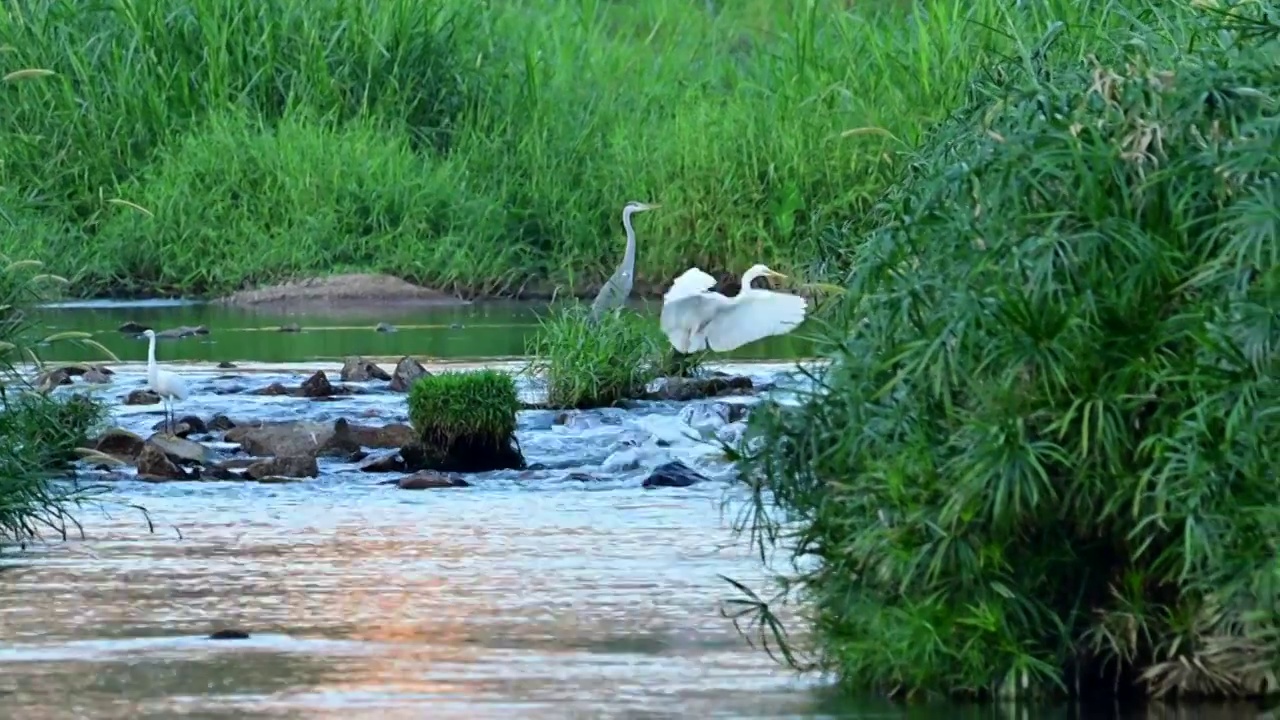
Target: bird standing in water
617,288
169,386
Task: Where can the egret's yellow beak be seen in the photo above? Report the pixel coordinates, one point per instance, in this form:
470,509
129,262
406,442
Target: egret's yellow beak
651,207
775,274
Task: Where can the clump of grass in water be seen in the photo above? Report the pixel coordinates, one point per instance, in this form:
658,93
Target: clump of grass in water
594,364
466,420
1043,460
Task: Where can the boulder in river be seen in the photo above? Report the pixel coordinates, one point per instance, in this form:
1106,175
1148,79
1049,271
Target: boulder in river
298,466
357,369
339,439
681,389
183,331
154,464
141,397
390,462
186,425
673,474
315,387
119,443
407,371
465,421
182,450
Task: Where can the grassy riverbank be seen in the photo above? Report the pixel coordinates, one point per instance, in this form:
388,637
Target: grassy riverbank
1059,364
194,147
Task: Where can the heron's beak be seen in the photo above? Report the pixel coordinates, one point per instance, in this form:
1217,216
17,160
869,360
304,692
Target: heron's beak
778,275
652,207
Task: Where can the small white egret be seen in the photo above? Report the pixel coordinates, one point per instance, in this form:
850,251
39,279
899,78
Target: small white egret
167,385
694,318
617,288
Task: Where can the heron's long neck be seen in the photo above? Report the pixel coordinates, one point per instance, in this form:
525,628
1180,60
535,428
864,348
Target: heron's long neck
748,277
629,256
152,370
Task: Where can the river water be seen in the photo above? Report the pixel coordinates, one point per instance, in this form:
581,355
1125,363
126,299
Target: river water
527,595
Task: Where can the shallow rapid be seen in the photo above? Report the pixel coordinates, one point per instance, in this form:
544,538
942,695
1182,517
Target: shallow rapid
533,594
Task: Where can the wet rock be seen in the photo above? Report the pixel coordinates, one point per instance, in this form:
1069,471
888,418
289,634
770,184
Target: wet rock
290,327
51,379
133,328
581,477
97,376
119,443
563,417
141,397
182,450
732,433
186,425
228,634
393,435
384,327
317,386
391,462
297,466
430,479
407,371
293,439
226,365
220,423
357,369
682,389
673,474
273,389
154,464
357,456
183,331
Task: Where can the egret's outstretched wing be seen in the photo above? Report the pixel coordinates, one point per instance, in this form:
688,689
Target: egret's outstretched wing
692,282
683,319
752,316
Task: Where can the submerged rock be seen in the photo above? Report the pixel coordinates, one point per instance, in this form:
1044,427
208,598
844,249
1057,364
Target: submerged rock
183,331
228,634
226,365
290,328
133,328
284,467
391,462
357,369
141,397
407,371
384,327
430,479
317,385
220,423
673,474
97,376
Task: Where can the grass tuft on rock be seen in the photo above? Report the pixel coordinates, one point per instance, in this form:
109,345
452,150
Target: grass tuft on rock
594,364
1043,461
466,421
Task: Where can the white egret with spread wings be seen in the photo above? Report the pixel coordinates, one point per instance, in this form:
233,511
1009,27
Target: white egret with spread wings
694,318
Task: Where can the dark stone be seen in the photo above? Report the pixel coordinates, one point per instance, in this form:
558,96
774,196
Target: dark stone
683,389
220,423
317,386
673,474
133,328
429,479
391,462
464,455
141,397
226,365
407,371
228,635
357,369
297,466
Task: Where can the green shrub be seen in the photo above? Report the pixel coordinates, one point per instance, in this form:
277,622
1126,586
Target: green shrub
38,433
466,420
237,203
600,364
1044,458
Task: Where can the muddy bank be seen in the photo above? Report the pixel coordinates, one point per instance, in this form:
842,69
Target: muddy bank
338,291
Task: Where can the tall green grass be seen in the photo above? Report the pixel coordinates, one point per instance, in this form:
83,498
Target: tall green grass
197,147
1043,460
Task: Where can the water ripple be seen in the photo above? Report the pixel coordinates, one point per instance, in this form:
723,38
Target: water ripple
528,593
